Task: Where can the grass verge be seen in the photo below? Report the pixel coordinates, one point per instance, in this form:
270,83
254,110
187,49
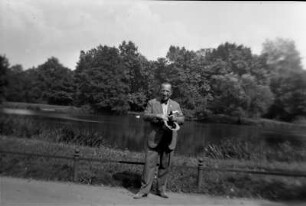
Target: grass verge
181,179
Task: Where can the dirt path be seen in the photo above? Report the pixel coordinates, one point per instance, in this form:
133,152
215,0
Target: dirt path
22,192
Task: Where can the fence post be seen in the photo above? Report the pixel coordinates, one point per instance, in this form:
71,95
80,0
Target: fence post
200,173
76,158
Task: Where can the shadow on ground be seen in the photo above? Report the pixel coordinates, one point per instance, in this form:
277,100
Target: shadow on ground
128,180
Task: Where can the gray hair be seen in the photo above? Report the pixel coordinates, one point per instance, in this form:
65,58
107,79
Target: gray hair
165,83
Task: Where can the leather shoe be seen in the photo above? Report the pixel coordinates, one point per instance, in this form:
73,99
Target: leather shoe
162,194
139,196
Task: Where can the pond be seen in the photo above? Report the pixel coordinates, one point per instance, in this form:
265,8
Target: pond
127,132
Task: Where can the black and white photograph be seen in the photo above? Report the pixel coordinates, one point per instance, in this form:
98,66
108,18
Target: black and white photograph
136,102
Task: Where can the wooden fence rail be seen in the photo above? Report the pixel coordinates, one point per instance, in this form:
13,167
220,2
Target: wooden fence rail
76,158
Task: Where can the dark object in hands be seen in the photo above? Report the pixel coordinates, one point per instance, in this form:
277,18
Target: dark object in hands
170,121
171,124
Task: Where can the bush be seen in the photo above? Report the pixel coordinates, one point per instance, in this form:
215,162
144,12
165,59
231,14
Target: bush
248,150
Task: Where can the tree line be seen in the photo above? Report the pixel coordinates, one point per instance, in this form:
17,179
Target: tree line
228,80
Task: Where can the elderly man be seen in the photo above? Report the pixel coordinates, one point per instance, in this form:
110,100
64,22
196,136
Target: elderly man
165,116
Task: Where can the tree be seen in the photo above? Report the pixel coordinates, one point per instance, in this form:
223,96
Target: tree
51,83
230,58
290,92
282,55
287,79
136,75
32,89
101,80
258,96
228,96
16,84
182,68
238,79
4,65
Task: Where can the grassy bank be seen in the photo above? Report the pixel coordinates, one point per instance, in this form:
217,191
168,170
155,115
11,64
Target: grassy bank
181,179
27,127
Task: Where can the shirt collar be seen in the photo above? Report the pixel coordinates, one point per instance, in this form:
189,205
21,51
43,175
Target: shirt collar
164,102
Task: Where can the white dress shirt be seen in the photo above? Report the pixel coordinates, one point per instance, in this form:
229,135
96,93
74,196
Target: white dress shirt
165,108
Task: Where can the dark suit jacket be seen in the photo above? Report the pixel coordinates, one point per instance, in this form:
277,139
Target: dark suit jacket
157,134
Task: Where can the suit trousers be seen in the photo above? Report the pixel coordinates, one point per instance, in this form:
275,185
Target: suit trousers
156,158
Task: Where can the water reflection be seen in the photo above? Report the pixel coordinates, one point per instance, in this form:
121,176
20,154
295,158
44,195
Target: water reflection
127,132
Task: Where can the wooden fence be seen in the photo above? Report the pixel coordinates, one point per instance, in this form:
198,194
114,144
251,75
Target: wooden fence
76,158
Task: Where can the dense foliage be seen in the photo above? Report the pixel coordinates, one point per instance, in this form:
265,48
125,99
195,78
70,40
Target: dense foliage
227,80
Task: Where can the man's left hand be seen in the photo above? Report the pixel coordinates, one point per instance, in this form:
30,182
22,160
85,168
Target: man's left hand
173,118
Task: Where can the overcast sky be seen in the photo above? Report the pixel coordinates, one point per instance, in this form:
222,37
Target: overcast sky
31,31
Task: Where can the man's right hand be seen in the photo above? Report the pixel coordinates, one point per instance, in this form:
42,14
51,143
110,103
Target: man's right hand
162,117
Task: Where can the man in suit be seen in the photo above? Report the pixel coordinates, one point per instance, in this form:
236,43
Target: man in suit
165,116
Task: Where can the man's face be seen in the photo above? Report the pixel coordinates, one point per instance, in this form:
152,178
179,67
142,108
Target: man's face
165,92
